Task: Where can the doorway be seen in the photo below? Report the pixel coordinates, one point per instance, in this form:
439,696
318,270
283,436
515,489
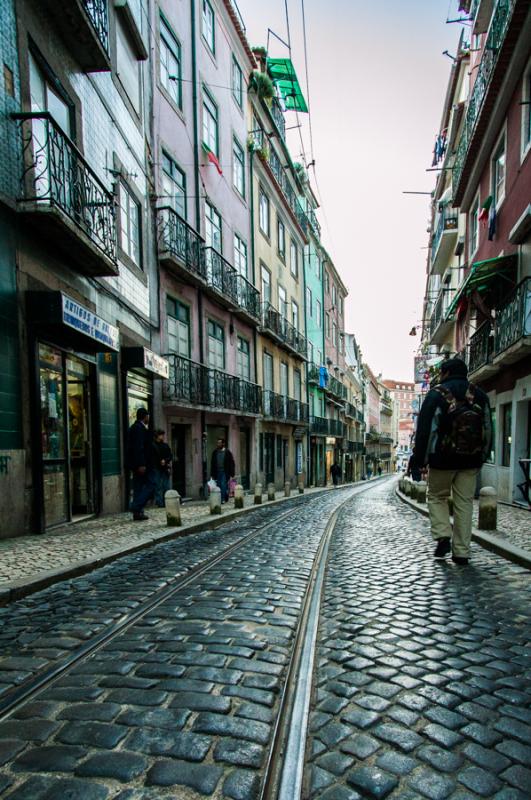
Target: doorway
178,449
79,399
245,466
269,457
215,432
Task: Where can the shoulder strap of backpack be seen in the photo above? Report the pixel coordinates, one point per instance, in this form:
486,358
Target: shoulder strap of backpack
445,393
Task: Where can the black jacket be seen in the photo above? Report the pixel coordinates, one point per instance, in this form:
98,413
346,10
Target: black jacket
140,451
163,453
228,464
427,439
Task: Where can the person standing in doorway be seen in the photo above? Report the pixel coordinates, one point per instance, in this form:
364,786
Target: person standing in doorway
140,460
335,472
163,464
222,468
453,438
379,471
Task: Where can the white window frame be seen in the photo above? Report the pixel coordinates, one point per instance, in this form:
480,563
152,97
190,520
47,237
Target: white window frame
309,302
170,62
318,314
294,259
240,256
238,167
498,186
208,26
174,192
281,239
237,82
181,328
210,127
473,224
264,216
243,359
295,314
282,301
213,227
130,207
216,352
265,285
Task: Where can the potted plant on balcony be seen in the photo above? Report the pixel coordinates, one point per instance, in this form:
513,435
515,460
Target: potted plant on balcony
262,84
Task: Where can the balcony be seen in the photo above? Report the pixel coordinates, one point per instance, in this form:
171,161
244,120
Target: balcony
359,416
444,239
64,198
84,26
319,426
355,447
313,375
512,336
385,438
440,325
193,384
230,288
337,428
283,332
336,388
350,411
278,118
284,409
480,352
180,247
290,196
386,406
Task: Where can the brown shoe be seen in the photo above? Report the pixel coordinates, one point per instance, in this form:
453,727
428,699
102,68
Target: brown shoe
140,517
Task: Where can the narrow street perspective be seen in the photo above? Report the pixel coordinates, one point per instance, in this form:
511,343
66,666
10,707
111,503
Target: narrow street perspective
265,400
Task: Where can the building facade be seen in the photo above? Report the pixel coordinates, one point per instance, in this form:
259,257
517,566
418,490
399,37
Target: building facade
405,408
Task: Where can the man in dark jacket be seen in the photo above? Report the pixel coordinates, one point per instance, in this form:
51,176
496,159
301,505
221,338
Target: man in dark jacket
163,465
222,468
335,472
140,459
453,438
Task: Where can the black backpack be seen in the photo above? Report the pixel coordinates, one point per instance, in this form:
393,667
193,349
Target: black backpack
461,428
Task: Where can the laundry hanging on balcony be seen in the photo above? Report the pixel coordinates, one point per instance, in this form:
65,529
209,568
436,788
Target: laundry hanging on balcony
212,157
323,377
283,75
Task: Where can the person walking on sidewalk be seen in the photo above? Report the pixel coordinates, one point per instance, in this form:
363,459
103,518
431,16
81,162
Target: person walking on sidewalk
163,463
335,472
453,438
222,468
140,460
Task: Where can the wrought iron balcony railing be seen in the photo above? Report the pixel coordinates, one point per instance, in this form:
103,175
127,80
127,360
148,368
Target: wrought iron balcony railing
336,427
194,384
278,118
98,14
319,425
495,37
313,374
336,388
447,221
480,347
181,242
225,279
286,409
57,177
359,416
513,318
385,438
284,331
350,411
287,189
355,447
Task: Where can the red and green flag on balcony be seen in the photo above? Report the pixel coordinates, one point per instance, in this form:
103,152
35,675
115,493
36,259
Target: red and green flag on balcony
212,157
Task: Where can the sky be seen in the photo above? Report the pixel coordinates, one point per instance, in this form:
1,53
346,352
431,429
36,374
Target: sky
377,83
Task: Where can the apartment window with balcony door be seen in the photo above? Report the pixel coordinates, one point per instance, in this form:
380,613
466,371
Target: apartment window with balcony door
170,63
294,259
238,167
526,113
127,67
240,255
264,213
284,387
498,173
44,97
295,315
212,227
237,82
320,357
334,295
243,359
297,385
208,26
341,305
130,237
265,280
216,345
210,124
506,431
473,227
334,334
309,309
282,302
327,282
178,316
173,185
281,239
327,322
318,314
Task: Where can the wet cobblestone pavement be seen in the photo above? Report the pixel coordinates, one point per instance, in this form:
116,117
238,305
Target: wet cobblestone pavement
423,680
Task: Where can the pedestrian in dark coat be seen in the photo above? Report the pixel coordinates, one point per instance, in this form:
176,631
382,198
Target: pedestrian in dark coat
453,439
335,472
222,468
140,460
163,465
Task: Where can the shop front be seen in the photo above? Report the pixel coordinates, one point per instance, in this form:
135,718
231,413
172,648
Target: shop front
65,340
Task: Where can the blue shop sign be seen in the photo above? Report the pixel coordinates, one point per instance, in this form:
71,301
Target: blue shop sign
88,323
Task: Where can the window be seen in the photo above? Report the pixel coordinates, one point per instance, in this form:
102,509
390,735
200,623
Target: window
240,255
327,282
268,372
264,213
178,327
327,320
284,384
266,284
237,82
334,334
208,26
173,185
341,305
46,98
318,314
294,259
129,224
212,227
334,295
506,412
282,301
297,385
210,124
127,67
295,315
492,455
309,310
498,173
243,359
281,239
238,167
473,227
170,63
216,345
526,113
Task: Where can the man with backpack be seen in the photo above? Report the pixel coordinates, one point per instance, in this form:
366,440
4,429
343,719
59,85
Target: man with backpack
453,438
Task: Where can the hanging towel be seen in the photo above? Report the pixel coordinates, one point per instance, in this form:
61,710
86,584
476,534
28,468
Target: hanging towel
323,377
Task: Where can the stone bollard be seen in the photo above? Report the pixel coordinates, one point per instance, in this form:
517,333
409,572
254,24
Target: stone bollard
238,496
271,491
215,500
401,485
422,488
407,487
258,494
488,509
413,490
172,503
301,486
287,489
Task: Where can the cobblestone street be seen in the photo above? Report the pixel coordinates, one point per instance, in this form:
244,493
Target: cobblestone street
421,681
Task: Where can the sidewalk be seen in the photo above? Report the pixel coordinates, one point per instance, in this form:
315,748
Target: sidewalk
511,539
30,563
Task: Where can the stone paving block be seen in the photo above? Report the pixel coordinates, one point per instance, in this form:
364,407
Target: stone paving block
256,681
441,735
336,763
255,695
97,734
154,718
481,734
442,716
37,730
362,746
333,732
486,757
518,776
135,697
403,716
201,702
218,675
372,782
340,793
94,712
220,725
479,781
71,694
439,759
37,708
9,749
54,758
183,745
120,766
333,705
395,762
514,729
203,778
403,738
254,711
241,785
360,717
52,788
239,753
431,784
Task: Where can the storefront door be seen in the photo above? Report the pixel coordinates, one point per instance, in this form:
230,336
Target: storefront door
79,437
178,449
245,437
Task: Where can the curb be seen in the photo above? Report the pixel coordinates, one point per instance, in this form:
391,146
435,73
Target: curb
16,590
489,541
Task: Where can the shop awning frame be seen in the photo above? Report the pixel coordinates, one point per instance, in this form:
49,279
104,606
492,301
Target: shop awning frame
283,75
481,276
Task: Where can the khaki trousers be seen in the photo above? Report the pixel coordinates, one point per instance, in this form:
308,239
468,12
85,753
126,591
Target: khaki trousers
462,484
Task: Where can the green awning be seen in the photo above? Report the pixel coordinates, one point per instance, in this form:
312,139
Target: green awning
283,74
481,276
